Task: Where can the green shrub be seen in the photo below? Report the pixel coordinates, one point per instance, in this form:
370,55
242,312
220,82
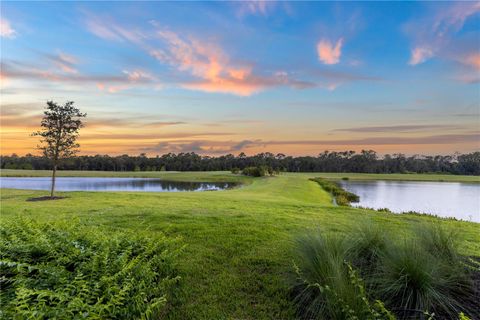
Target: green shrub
253,172
259,171
67,270
235,170
342,197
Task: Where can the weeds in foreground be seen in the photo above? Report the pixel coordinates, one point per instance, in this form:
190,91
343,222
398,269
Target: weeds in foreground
69,270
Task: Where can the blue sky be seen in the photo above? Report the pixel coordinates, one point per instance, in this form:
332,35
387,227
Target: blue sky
226,77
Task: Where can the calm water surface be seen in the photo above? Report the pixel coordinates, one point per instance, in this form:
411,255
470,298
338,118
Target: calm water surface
110,184
445,199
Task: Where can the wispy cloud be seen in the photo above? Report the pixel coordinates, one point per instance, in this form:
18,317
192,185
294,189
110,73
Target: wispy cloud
64,62
108,29
433,34
206,61
328,52
211,68
472,60
64,72
200,63
28,115
214,68
201,146
256,7
398,128
231,146
6,30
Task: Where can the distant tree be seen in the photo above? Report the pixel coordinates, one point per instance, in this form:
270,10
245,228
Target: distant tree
60,125
469,163
346,161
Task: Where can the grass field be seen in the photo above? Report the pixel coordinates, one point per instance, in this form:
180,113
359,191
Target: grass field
238,253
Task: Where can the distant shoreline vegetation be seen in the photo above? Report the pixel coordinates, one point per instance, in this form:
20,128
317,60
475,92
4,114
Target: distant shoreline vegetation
367,161
341,196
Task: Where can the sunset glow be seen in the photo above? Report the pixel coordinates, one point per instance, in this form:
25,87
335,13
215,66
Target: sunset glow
229,77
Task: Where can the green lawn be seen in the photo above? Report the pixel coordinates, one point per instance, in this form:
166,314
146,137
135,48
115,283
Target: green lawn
238,253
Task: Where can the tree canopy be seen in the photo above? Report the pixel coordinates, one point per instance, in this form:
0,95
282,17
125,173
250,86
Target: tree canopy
367,161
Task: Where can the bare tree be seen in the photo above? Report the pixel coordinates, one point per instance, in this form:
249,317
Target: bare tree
60,126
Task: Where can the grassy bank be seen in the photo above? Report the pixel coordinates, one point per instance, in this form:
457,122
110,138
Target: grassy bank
393,176
200,176
238,242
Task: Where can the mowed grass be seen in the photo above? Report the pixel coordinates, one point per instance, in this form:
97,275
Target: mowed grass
238,256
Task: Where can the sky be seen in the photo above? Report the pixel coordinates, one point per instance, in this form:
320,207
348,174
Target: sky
260,76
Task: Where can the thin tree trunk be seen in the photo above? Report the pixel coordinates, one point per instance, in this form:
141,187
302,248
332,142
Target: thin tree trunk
53,180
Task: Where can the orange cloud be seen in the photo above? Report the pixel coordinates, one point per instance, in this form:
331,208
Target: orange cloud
240,74
329,53
234,86
473,60
208,62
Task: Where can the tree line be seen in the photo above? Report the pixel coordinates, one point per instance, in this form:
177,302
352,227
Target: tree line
366,161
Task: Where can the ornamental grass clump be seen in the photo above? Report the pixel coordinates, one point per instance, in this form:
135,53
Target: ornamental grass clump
369,275
327,285
67,270
365,246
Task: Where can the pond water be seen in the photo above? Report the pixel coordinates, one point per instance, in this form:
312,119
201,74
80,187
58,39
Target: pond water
444,199
110,184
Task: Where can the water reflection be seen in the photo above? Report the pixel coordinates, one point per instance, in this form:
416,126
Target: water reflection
445,199
111,184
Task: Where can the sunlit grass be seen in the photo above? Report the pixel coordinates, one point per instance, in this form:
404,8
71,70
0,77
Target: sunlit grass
239,242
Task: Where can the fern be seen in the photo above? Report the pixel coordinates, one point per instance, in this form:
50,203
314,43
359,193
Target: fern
67,270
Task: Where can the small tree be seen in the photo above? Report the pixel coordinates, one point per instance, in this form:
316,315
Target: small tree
60,126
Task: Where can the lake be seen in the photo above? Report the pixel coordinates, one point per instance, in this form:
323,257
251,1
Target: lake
444,199
111,184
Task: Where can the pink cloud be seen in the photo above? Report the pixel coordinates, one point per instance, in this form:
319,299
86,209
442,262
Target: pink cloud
6,30
328,53
66,62
139,75
420,55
